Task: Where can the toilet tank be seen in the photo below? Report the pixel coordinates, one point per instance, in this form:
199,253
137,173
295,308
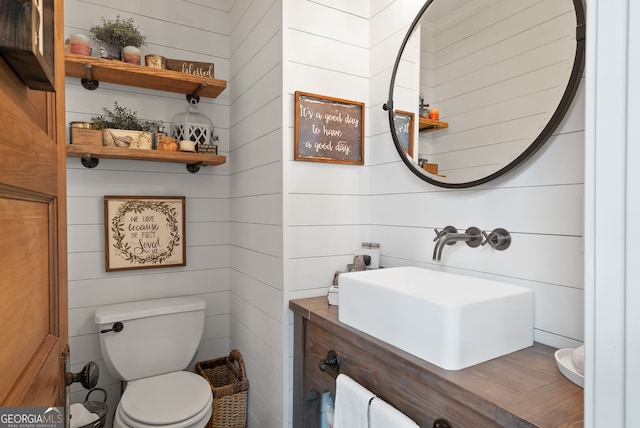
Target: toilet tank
158,336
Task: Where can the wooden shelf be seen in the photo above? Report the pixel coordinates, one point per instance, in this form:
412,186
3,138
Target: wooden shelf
104,70
430,125
93,70
196,160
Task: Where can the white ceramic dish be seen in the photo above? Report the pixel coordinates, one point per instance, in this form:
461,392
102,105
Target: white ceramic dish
563,359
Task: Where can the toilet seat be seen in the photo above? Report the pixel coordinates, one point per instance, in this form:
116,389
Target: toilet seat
172,400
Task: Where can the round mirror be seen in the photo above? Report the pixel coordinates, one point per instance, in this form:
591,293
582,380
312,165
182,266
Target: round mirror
479,85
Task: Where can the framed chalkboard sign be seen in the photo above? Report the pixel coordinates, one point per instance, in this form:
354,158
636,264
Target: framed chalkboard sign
403,121
328,129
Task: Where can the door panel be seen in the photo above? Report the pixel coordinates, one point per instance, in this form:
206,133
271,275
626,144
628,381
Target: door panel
28,148
33,250
25,231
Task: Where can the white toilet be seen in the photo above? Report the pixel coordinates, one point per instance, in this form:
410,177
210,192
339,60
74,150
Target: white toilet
148,344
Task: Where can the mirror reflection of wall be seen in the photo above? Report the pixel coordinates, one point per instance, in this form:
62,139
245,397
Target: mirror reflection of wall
407,89
497,70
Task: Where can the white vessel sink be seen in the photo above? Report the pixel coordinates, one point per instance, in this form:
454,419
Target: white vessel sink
452,321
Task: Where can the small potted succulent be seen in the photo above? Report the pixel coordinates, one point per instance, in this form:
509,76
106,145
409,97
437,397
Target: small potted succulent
116,34
122,128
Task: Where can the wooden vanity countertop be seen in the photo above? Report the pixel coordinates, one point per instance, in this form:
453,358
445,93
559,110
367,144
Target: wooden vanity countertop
521,389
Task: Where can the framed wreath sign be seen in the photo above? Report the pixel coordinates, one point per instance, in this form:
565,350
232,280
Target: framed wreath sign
144,232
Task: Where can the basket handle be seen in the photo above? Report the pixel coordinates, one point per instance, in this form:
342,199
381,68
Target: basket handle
235,357
96,389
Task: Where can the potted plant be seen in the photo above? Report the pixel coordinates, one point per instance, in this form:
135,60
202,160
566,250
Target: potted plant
116,34
122,128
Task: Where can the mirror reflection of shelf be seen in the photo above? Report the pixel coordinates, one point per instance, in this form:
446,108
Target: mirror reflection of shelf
430,125
432,168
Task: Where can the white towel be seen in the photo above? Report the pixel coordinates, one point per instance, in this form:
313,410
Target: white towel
383,415
352,404
80,416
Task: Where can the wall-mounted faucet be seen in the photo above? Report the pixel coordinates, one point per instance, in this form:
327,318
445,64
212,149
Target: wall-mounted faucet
499,239
449,236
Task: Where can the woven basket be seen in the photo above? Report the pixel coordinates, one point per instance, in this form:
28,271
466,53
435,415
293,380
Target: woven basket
230,387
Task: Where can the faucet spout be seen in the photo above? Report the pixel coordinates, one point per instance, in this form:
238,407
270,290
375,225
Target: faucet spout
472,236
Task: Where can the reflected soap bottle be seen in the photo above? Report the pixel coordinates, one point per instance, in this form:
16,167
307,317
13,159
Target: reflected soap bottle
424,108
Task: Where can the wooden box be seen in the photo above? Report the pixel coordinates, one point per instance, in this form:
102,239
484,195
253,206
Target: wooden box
87,137
127,139
209,149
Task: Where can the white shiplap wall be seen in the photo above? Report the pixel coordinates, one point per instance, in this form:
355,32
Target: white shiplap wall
325,205
257,286
175,29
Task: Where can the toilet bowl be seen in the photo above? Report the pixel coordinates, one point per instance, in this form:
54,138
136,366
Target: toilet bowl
176,400
148,344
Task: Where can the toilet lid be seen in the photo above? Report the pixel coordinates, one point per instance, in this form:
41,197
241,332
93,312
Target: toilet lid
166,399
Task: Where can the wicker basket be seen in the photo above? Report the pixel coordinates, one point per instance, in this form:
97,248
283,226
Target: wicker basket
230,387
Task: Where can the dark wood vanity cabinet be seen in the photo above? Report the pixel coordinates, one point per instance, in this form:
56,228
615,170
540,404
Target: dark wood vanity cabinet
522,389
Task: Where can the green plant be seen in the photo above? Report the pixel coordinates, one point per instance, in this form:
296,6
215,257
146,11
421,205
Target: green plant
122,118
120,32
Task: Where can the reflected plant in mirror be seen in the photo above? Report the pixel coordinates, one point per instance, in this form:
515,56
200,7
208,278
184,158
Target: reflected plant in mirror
502,75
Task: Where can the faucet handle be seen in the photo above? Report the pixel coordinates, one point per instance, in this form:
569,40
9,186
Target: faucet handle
499,239
448,229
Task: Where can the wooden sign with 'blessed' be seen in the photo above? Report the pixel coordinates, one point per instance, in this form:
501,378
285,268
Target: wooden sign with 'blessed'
204,69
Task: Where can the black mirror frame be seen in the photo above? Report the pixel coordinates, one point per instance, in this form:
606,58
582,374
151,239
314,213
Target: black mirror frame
558,115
